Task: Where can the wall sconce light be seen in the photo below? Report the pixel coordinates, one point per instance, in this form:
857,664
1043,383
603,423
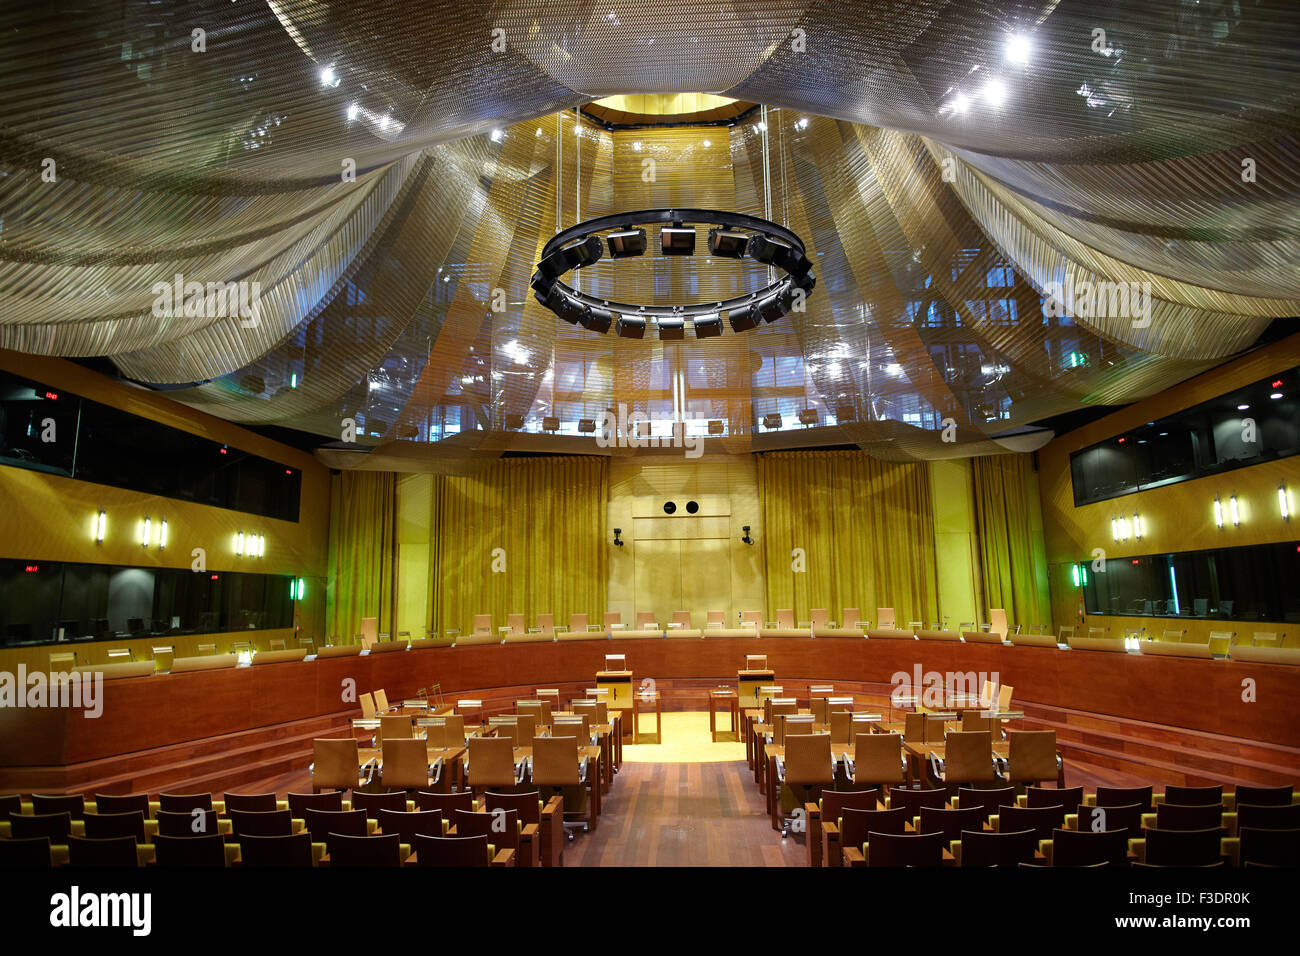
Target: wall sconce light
101,525
1114,529
1283,502
261,545
239,544
747,539
144,532
617,542
1137,526
162,533
1236,516
1218,513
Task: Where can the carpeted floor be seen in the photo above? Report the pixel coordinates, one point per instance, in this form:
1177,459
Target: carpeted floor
685,740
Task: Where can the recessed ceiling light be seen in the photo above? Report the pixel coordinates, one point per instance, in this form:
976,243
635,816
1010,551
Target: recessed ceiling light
1018,49
328,77
707,144
352,111
1242,408
1276,395
960,103
995,92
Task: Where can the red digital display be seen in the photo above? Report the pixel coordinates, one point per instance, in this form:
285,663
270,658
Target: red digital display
1123,440
52,396
1278,383
214,577
32,568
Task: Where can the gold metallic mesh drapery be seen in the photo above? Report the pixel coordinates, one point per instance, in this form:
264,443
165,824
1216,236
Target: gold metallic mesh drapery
865,529
933,230
363,508
525,536
1011,545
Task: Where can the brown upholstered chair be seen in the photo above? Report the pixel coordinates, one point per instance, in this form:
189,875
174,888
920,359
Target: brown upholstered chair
407,824
395,727
259,823
458,851
73,804
119,803
406,765
878,759
1032,758
823,841
294,850
1194,796
108,851
802,773
785,619
559,770
503,830
546,623
104,826
300,803
987,800
444,803
907,849
187,851
336,765
548,819
992,848
368,705
349,851
491,764
967,759
251,802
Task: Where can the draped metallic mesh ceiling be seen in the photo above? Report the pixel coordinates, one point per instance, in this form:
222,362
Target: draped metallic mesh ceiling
944,162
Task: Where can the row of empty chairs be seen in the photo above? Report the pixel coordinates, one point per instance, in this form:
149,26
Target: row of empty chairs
370,828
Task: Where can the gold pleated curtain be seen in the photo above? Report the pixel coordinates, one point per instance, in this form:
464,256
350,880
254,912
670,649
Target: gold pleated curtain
1010,542
865,528
363,508
526,536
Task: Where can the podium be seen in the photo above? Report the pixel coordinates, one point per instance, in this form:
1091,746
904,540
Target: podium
616,679
749,681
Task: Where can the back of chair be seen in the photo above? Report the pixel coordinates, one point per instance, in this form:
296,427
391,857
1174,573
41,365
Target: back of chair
841,722
835,802
1053,796
913,801
909,849
1270,847
1183,847
1264,796
852,616
119,803
482,623
1268,817
516,624
884,618
335,763
501,827
968,757
209,850
936,728
789,724
577,623
987,800
528,805
613,620
444,803
878,758
260,823
184,802
808,760
396,727
367,704
1042,820
526,725
73,804
408,824
381,701
596,711
1002,849
1031,755
107,851
105,826
951,822
55,826
576,725
776,707
1194,796
491,762
856,824
321,823
26,853
383,850
546,623
1124,796
914,727
1127,818
682,619
406,765
451,851
715,619
785,619
645,620
300,803
1178,816
253,802
819,617
531,708
555,762
292,850
1004,696
194,823
1089,847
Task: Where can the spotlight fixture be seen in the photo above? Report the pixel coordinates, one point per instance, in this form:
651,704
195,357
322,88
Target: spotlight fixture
626,242
735,236
727,242
747,539
617,541
677,240
1018,49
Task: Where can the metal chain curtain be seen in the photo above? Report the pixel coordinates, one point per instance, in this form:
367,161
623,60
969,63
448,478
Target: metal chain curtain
399,301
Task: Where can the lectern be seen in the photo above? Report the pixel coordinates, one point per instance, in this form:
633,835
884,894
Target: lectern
617,680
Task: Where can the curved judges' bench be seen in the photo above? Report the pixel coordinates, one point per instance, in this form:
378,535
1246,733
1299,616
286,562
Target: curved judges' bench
1179,720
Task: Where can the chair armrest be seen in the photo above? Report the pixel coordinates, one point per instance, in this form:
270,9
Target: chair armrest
1045,848
1231,848
530,845
1137,849
831,844
853,857
1229,822
504,858
1071,821
954,848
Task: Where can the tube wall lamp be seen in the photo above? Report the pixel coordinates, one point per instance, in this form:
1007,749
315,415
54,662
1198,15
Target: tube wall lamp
1137,526
239,544
1283,502
162,533
1236,515
1218,513
145,528
101,525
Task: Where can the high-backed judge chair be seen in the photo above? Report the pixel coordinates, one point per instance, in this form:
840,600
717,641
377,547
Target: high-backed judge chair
336,765
805,769
577,623
396,727
596,711
406,765
546,624
576,725
490,764
785,619
613,620
878,760
715,619
852,620
1032,758
645,621
482,623
559,769
381,702
885,618
517,625
820,619
682,619
367,704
